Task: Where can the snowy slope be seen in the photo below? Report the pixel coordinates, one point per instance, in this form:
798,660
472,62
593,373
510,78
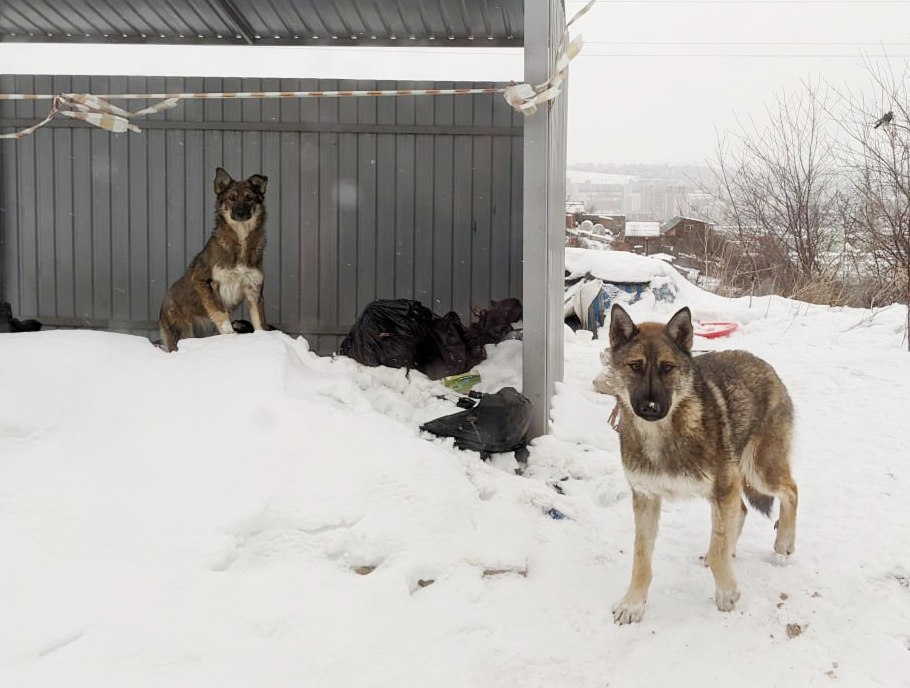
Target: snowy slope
243,512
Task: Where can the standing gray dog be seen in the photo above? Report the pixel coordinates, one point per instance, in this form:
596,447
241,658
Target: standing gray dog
716,426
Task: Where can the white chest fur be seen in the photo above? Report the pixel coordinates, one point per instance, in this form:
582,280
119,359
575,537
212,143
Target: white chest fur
669,486
655,481
234,283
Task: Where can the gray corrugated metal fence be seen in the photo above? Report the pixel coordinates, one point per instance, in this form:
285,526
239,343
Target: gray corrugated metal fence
415,197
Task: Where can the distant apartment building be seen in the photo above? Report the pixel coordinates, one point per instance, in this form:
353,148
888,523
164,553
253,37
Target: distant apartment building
701,204
600,192
640,199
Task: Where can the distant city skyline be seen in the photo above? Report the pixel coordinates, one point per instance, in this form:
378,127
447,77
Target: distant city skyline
651,194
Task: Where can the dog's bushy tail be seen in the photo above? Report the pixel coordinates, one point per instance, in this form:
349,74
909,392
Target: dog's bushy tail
760,502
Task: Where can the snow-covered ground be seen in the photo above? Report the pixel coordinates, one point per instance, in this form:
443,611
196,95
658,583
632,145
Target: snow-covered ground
245,513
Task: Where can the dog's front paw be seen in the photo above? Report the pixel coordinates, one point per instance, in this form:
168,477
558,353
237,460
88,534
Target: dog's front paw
726,599
629,609
226,328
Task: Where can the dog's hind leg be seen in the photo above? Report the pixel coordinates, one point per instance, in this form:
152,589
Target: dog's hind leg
772,468
726,524
647,515
785,543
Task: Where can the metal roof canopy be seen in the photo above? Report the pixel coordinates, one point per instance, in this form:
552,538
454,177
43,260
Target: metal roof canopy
456,23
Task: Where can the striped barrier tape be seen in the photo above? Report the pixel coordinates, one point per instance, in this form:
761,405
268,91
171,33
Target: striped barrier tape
97,111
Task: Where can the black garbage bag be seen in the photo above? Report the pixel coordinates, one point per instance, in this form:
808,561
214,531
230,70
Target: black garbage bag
499,423
10,324
495,323
450,351
390,332
401,333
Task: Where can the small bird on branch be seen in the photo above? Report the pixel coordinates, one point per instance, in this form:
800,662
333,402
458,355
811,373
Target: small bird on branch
885,119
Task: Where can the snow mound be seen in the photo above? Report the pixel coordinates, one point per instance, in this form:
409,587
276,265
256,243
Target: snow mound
243,512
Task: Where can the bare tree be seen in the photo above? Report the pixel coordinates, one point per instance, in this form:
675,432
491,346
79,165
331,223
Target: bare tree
778,185
876,155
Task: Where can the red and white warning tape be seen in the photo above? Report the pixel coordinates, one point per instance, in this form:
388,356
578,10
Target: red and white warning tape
96,110
88,108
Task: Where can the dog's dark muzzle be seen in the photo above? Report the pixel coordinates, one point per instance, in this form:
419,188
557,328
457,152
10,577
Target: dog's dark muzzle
241,213
650,410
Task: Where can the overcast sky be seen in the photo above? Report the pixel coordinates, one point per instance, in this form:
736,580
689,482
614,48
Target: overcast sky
661,102
653,82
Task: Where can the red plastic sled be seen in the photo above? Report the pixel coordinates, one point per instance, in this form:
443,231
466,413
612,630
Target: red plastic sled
713,330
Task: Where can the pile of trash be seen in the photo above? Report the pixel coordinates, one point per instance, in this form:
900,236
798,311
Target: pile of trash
588,299
594,281
401,333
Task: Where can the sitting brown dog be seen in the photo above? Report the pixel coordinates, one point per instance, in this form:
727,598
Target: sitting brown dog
226,271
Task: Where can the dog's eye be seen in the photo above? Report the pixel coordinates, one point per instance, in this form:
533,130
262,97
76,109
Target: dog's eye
666,367
635,365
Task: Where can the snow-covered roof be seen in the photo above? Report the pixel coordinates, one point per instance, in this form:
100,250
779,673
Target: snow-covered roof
616,266
672,222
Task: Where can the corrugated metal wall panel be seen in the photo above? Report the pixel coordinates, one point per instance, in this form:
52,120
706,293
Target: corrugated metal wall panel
366,208
28,258
139,220
96,226
44,215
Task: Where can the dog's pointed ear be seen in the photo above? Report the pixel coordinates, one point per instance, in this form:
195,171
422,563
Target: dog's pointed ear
258,182
680,328
622,329
222,180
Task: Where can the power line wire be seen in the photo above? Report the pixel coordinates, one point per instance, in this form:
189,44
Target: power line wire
587,54
753,55
745,2
742,43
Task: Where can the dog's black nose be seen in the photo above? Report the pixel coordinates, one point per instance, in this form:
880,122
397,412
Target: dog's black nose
650,410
